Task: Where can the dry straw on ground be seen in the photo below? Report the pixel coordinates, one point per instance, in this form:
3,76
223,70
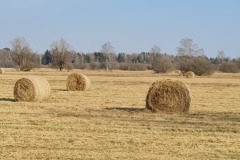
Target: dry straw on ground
190,74
32,89
78,82
2,71
168,96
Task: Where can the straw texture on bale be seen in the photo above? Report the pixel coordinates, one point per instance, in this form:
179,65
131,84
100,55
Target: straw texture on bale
2,71
32,89
78,82
168,96
190,74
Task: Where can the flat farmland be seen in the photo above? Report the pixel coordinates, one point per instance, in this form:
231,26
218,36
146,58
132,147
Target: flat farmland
110,121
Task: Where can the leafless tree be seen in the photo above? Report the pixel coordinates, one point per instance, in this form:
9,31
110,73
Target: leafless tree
22,54
77,59
5,58
155,50
108,51
60,51
221,56
188,48
153,53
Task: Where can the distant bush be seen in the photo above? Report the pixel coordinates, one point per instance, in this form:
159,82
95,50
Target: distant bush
69,67
84,66
199,65
138,67
124,66
237,62
115,65
94,65
133,66
229,67
162,64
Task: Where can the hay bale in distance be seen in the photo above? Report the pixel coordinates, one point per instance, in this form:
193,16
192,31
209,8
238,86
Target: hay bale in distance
190,74
78,82
168,96
32,89
2,71
178,72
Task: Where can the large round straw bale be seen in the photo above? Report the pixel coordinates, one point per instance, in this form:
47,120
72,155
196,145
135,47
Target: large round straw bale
32,89
190,74
78,82
2,71
168,96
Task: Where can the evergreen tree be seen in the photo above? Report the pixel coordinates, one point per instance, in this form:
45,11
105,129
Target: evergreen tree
47,58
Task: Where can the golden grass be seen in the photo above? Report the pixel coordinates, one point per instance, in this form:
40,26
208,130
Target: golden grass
110,122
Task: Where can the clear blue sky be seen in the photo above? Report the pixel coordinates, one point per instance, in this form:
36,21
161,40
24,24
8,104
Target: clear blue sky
132,26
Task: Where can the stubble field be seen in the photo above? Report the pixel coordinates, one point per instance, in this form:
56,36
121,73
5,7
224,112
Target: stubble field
110,121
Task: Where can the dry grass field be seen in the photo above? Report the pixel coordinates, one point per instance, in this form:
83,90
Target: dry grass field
110,121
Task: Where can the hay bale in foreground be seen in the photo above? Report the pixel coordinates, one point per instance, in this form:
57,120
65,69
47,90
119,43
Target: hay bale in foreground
190,74
78,82
168,96
2,71
32,89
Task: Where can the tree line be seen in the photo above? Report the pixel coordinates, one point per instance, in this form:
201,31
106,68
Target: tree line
60,56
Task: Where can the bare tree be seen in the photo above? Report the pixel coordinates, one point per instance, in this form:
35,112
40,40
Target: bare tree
188,48
155,50
108,51
22,54
162,64
153,53
220,56
199,52
76,59
5,58
60,51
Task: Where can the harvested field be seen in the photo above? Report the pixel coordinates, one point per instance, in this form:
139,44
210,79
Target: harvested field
110,121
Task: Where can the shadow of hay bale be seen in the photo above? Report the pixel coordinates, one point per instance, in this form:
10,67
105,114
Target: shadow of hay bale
128,109
8,99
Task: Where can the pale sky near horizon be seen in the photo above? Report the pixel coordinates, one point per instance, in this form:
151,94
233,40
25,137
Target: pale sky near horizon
131,26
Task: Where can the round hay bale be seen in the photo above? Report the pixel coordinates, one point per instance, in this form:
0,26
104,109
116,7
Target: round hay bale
190,74
78,82
168,96
32,89
2,71
178,72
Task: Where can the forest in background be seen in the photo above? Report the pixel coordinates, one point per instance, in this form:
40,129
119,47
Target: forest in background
61,56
